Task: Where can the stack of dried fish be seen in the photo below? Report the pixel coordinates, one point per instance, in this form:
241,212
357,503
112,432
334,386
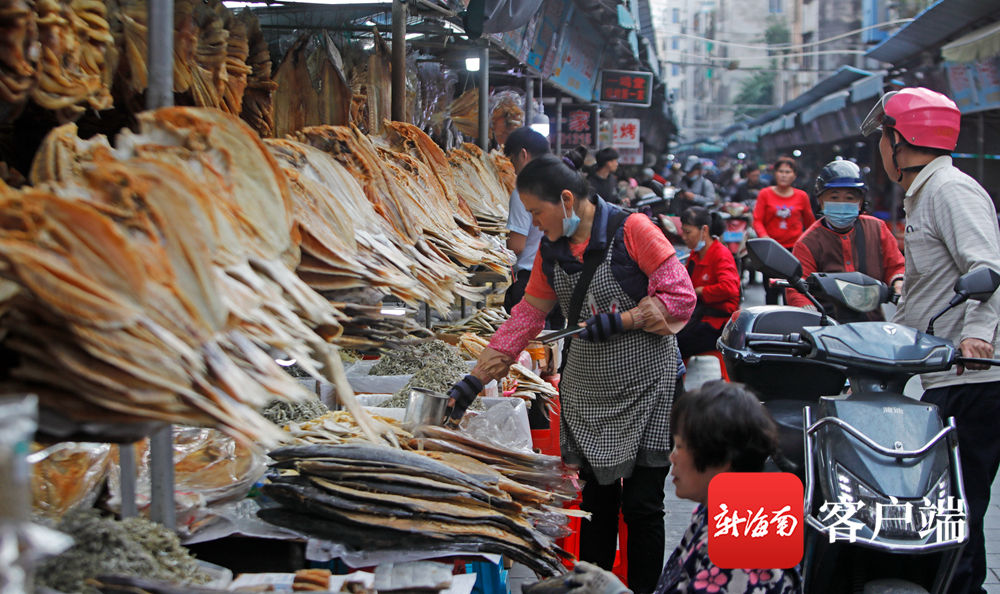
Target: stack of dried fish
311,86
485,181
192,277
258,105
372,497
19,52
220,60
483,322
77,51
465,113
389,191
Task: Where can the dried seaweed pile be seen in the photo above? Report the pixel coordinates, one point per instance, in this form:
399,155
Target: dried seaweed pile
104,546
373,497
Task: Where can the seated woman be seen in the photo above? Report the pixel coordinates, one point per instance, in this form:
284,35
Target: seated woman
714,277
844,240
718,428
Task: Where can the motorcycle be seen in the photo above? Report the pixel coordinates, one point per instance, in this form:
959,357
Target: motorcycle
737,217
882,480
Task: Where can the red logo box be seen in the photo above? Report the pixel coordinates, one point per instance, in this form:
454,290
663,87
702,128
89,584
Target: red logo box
755,520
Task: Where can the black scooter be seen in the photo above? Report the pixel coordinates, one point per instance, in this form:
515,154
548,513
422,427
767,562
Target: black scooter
883,485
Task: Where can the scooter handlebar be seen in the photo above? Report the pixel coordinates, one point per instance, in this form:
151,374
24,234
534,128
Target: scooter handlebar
981,361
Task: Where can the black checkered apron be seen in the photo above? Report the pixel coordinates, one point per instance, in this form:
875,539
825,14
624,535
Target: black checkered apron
616,395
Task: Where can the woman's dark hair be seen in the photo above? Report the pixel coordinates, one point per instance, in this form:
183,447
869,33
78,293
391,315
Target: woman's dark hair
724,422
786,160
699,216
604,155
548,175
527,139
576,156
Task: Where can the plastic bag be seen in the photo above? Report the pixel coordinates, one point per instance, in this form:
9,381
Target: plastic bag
22,544
67,476
504,423
210,468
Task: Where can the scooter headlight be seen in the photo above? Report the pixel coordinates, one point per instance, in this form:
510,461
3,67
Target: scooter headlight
888,516
857,297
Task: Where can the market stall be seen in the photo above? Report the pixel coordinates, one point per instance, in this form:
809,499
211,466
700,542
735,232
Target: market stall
182,290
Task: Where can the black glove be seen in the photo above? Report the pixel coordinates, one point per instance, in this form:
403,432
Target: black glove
602,327
463,393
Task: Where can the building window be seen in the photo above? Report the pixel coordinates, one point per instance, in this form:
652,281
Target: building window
775,6
675,15
675,42
807,59
675,70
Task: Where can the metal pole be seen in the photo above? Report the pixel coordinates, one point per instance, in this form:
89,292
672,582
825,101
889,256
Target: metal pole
160,90
980,148
484,96
161,472
398,60
160,93
597,129
529,100
558,124
126,464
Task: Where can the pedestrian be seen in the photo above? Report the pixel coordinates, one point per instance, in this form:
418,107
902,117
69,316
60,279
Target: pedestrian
845,240
718,428
782,213
618,272
602,179
951,229
747,190
523,145
694,189
714,277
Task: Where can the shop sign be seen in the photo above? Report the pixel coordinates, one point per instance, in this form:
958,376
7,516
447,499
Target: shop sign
627,87
625,133
579,126
630,156
975,86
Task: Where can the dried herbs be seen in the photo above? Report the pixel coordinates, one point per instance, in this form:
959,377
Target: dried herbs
105,546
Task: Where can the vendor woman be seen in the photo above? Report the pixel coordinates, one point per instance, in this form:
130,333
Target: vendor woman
618,273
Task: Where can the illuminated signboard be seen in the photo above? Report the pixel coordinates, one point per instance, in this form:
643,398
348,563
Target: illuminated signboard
626,87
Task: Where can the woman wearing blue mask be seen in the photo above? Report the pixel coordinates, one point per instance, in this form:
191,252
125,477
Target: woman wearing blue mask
845,240
616,274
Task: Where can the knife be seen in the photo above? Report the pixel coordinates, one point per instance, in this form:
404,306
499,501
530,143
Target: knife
562,334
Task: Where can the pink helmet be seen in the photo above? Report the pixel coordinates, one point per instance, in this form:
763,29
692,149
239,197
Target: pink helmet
923,117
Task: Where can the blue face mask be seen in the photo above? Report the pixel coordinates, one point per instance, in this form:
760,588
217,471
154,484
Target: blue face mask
700,246
841,214
570,222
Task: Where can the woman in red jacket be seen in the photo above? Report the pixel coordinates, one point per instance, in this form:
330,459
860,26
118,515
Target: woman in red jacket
714,277
782,213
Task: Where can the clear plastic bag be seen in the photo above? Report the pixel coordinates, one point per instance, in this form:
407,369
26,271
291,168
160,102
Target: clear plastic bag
504,423
210,469
67,476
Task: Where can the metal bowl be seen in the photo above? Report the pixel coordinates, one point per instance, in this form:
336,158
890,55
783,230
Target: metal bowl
425,407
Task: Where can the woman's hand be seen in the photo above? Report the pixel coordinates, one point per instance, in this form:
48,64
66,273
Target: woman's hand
651,315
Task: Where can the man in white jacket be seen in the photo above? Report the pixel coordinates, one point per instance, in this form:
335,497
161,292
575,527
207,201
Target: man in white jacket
951,229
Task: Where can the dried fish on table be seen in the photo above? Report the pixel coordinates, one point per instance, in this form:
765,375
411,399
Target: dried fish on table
311,86
485,181
257,108
483,321
19,53
67,476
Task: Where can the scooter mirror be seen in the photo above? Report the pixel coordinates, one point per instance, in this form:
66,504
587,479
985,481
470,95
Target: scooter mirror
980,284
769,257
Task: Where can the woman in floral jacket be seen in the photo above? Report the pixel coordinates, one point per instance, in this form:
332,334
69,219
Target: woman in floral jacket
720,428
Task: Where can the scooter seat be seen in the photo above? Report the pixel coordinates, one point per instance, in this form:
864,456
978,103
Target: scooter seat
787,414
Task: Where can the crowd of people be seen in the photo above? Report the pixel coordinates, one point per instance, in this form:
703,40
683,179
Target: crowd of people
626,421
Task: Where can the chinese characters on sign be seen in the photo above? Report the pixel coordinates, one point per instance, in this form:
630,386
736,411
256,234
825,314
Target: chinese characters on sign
579,126
755,520
943,522
625,86
625,133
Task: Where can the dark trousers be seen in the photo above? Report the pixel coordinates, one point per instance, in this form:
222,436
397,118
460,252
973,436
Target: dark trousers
697,337
976,408
640,499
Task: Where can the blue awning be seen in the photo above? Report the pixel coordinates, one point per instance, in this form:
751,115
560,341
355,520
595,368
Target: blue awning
866,88
932,27
835,82
829,104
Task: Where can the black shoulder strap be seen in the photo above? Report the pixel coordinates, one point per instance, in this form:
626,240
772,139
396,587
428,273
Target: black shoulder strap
859,247
591,260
